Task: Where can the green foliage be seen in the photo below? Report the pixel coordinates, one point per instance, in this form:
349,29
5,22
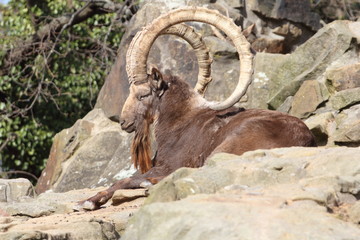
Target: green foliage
56,84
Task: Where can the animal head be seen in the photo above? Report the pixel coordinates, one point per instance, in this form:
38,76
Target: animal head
142,101
139,112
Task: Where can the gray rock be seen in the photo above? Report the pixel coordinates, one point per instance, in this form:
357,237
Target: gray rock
235,217
50,216
286,105
126,195
345,98
93,153
296,11
345,77
309,61
348,127
334,9
48,203
15,189
185,182
306,100
336,127
349,136
355,212
284,192
92,230
323,126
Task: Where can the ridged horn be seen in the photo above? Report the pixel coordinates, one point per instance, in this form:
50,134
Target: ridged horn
140,46
202,53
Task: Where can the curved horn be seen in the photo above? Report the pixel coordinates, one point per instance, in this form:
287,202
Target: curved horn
202,53
137,56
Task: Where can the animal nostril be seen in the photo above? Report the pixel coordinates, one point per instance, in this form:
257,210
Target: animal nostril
122,122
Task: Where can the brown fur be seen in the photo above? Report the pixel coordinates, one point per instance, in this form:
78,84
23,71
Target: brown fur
141,147
188,135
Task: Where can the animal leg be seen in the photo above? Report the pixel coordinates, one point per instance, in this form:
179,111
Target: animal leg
147,179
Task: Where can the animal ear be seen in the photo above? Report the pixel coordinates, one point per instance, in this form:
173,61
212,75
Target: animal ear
156,77
157,81
156,74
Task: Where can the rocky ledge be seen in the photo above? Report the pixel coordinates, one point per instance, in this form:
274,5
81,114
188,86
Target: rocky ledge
288,193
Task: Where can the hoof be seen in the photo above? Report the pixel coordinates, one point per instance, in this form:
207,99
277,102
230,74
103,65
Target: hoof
146,184
85,206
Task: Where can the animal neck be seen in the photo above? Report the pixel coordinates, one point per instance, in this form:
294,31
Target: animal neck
177,103
176,110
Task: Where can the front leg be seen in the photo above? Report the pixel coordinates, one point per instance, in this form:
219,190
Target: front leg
147,179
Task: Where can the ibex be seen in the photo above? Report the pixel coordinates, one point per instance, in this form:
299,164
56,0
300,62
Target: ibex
189,129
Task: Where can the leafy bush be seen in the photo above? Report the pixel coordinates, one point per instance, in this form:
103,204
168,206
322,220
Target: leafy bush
55,83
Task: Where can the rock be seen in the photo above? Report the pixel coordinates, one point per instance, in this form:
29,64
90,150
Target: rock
286,105
189,219
323,126
184,182
336,128
116,87
346,77
336,9
306,100
126,195
269,45
96,152
15,189
284,192
348,127
262,168
50,216
295,11
276,30
345,98
309,61
355,212
48,203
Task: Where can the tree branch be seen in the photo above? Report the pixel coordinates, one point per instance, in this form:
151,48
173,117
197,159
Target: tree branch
5,174
51,31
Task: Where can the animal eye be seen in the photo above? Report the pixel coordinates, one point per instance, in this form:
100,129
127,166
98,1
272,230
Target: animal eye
142,97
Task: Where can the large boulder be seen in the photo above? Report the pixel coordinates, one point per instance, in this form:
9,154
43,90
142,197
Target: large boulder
94,152
292,193
15,189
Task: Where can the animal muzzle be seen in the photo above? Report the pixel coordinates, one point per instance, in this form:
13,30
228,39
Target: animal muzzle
127,126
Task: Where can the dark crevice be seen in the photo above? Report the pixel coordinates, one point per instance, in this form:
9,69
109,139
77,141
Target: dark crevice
71,140
278,168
